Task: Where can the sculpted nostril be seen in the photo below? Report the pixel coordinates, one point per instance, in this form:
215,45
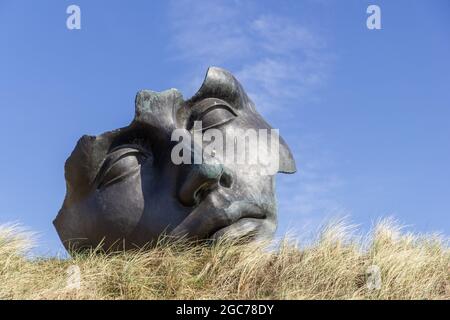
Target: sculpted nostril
202,192
226,179
197,182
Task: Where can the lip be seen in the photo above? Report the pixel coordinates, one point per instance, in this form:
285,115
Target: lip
228,230
215,213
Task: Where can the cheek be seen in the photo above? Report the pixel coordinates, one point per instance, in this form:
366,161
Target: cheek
120,206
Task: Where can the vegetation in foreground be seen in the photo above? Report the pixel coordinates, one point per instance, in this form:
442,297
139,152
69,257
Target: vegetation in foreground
336,266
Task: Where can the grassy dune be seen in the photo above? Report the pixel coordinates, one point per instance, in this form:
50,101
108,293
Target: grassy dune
335,266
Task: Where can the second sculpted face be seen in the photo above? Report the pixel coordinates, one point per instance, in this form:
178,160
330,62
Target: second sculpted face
123,187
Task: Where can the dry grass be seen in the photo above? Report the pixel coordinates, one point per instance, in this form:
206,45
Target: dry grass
333,267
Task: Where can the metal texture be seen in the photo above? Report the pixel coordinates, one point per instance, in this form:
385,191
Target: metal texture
124,190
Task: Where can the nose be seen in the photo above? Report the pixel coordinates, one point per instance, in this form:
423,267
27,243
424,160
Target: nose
199,180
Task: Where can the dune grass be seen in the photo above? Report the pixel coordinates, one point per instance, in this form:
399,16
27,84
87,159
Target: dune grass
337,265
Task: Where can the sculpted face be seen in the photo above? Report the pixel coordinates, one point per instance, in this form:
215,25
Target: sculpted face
123,187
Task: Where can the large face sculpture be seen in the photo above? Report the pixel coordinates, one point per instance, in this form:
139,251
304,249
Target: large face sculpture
124,189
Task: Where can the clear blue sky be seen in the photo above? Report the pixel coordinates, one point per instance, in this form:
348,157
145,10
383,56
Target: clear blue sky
367,112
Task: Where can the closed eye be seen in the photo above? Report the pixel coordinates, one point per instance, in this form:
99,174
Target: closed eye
216,116
212,113
120,164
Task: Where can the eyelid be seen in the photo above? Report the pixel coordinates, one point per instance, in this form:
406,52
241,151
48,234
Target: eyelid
214,107
115,156
208,105
223,119
127,148
205,104
120,153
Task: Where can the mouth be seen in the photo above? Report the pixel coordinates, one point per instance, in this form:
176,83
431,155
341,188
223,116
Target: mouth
216,216
244,229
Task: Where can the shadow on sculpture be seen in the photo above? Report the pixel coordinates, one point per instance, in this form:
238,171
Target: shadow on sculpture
124,187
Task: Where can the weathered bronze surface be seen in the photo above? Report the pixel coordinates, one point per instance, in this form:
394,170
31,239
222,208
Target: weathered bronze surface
124,189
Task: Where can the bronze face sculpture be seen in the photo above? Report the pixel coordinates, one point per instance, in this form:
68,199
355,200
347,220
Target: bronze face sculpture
123,187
